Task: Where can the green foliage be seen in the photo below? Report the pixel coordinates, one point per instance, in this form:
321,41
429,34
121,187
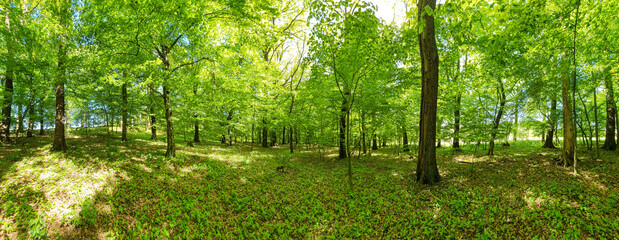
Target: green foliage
37,228
88,215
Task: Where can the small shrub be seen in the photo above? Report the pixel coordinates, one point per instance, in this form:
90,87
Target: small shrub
88,215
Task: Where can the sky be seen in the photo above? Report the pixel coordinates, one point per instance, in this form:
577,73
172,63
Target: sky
390,10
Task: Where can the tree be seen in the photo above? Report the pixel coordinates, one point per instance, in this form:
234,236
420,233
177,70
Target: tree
427,170
611,109
62,10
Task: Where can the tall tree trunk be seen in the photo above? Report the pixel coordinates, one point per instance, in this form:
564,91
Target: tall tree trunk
41,118
30,118
590,137
151,110
170,148
124,110
569,138
374,142
196,130
609,142
497,120
20,120
342,145
595,112
405,140
283,135
5,126
427,170
456,140
290,140
363,133
59,131
551,125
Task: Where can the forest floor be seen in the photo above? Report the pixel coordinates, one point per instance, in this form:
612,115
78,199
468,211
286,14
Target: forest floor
102,188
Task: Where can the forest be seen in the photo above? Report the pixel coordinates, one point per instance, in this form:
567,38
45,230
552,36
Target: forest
309,119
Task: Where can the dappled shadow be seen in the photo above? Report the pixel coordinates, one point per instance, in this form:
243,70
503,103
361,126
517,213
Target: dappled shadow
130,190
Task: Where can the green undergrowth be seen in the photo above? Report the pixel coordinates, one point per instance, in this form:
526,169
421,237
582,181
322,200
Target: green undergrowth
103,188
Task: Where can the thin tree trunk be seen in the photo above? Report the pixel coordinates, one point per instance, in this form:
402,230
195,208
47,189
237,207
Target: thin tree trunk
363,132
344,110
589,138
170,148
153,119
405,140
595,115
456,140
124,110
41,119
551,125
20,120
427,170
497,120
30,118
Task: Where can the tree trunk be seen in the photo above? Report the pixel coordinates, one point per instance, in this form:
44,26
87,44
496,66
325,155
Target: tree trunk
589,138
30,118
405,140
342,145
170,148
41,119
153,119
609,142
551,125
290,140
497,120
283,135
124,110
20,120
569,139
59,131
595,115
374,142
427,170
363,134
5,126
196,131
456,140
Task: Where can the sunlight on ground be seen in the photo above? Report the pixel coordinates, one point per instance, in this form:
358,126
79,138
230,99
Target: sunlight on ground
64,184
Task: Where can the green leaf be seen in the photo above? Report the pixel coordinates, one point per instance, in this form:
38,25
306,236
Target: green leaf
429,11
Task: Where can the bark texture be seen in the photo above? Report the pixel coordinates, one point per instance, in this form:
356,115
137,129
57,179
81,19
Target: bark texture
497,120
59,130
427,170
124,111
551,125
569,130
609,142
5,126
